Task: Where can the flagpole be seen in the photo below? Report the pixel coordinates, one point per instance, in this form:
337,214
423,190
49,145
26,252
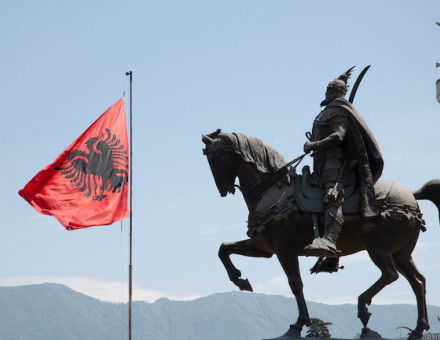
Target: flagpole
130,265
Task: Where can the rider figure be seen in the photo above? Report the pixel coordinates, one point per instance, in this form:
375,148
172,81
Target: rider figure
345,154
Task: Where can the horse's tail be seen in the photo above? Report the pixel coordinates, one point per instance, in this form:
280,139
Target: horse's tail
430,191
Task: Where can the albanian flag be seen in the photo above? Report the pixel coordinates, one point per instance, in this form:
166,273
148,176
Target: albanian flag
87,184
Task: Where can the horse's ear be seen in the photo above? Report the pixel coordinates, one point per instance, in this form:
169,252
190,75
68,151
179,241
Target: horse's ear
207,140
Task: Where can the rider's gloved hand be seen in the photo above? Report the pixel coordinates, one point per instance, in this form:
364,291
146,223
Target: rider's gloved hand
308,147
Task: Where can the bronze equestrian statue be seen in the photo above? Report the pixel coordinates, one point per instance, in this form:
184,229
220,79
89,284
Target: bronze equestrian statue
286,210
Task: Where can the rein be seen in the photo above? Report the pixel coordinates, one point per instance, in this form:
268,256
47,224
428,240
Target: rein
259,188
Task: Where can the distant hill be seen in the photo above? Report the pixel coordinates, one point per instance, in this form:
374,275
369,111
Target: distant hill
55,312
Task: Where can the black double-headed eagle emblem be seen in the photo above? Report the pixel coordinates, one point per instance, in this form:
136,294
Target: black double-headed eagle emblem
103,168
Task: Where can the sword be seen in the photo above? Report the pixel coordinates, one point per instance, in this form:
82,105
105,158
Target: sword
356,84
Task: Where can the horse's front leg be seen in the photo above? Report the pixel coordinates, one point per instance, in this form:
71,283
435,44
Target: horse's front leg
246,248
289,261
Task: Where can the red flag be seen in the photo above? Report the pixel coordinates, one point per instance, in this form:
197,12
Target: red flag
87,184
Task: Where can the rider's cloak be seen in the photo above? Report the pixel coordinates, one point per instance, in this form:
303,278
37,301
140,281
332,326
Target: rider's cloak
362,145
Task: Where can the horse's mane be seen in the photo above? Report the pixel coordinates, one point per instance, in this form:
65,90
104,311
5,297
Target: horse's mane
255,151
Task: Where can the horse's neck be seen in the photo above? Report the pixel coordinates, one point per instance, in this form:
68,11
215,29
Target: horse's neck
249,177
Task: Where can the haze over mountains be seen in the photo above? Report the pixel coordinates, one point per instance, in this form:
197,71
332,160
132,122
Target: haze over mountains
53,312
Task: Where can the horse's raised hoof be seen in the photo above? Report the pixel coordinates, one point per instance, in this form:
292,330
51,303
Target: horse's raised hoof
244,285
234,274
369,334
292,333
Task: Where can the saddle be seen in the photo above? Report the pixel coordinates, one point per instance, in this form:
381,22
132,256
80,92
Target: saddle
308,197
299,194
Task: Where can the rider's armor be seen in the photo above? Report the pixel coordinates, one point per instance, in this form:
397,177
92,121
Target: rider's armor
332,165
345,154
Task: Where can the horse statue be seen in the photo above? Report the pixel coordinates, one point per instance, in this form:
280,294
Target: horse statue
282,208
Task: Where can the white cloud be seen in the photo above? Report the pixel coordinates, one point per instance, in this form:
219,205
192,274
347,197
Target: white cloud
277,286
113,291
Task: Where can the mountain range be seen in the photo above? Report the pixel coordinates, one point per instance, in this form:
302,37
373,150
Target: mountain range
55,312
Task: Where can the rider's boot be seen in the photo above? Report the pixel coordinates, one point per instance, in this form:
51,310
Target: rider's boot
334,218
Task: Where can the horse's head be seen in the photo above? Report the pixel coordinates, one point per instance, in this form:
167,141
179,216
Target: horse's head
223,161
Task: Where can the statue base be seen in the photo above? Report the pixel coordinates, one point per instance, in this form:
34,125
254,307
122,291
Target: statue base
367,334
287,337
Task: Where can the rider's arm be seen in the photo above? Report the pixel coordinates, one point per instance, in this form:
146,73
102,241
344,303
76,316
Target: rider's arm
333,140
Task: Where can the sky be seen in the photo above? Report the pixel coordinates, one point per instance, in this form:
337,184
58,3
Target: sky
252,66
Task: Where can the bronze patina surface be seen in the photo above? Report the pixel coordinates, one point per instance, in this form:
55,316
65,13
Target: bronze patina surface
293,215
